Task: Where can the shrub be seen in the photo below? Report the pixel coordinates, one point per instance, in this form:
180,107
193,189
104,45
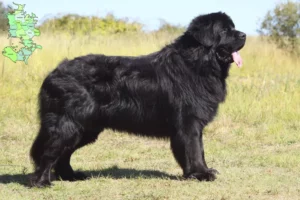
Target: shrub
80,25
282,26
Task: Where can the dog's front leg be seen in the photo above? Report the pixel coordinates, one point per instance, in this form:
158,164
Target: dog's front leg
187,146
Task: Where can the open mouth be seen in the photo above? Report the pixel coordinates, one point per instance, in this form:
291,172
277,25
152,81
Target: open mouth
228,56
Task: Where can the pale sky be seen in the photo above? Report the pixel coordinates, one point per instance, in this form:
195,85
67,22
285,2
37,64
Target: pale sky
245,14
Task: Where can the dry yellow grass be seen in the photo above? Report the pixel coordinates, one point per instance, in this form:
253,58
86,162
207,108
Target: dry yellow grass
254,142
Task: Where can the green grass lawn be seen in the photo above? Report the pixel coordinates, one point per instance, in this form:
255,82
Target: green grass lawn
254,142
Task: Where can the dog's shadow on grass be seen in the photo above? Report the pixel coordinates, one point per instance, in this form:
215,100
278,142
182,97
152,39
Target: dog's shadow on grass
112,172
117,173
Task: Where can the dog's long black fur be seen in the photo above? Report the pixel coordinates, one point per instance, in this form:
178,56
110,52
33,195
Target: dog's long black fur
172,93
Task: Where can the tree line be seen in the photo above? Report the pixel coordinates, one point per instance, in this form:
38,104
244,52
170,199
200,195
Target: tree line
89,25
281,25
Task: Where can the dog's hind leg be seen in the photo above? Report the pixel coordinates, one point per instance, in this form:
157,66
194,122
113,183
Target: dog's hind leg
52,151
37,150
60,135
63,168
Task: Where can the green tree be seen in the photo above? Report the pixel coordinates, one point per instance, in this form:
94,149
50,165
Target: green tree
282,26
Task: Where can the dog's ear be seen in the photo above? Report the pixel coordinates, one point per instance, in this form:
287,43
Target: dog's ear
201,28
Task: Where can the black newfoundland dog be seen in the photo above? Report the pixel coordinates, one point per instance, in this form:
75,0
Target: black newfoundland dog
172,93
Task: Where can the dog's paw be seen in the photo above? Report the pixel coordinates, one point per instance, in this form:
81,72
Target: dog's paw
40,183
37,181
74,176
207,175
213,171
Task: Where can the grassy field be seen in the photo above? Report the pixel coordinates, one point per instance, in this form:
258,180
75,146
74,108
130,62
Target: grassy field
254,142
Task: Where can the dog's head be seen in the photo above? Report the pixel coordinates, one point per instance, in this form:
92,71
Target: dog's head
217,32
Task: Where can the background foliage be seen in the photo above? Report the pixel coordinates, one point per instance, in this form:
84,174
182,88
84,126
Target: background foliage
81,25
282,26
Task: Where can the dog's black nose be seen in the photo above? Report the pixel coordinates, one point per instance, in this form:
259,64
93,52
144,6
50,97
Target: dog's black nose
242,35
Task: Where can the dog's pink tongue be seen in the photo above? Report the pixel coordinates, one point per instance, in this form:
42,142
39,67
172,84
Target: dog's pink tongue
237,58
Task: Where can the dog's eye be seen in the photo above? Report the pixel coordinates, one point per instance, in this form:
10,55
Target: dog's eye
224,30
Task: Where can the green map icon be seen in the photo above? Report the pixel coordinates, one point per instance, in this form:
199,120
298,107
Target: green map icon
22,26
